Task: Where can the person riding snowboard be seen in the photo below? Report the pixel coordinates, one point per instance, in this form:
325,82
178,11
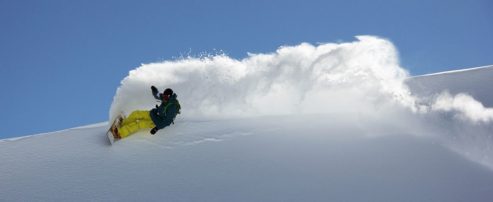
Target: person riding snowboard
157,118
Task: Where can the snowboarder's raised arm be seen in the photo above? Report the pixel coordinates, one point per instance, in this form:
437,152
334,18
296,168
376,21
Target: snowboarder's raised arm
155,93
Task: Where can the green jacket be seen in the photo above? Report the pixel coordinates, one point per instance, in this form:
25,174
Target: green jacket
165,114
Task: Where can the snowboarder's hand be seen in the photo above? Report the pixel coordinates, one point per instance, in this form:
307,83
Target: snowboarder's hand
154,90
154,130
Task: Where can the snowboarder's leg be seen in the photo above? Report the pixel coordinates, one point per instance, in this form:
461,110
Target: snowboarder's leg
146,124
133,127
136,115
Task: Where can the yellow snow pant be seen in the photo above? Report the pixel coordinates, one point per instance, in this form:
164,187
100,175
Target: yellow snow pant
135,121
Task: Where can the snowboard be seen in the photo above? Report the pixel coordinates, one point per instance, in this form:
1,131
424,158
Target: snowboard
112,131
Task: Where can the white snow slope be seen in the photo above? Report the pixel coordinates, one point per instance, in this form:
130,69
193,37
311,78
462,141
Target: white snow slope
333,122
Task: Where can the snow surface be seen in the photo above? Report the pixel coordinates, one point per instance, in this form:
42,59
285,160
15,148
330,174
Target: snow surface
332,122
276,158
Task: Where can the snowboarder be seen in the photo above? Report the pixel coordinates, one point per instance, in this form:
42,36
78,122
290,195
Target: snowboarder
157,118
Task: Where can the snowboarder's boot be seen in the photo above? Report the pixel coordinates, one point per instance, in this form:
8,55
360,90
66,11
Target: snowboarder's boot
116,134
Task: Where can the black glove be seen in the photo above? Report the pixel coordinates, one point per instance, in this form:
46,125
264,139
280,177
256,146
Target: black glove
154,90
154,130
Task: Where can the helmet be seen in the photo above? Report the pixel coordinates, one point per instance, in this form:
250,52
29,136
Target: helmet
168,92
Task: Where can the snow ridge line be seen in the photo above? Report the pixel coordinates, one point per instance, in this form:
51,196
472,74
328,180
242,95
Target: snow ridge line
454,71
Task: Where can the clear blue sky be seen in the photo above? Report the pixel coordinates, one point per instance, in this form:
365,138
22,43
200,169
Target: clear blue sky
61,61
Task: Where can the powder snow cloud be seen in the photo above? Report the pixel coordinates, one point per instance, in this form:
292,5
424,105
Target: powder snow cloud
463,106
332,77
294,79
